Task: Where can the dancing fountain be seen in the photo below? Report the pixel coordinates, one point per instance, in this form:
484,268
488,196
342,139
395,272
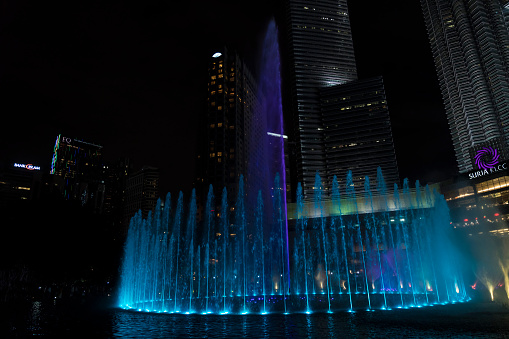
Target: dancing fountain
379,251
341,250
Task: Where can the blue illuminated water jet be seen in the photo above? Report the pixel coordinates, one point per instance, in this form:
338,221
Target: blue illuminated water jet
167,264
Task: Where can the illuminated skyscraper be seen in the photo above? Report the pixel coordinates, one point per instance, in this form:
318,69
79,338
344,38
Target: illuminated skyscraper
227,124
357,132
321,86
470,45
319,53
79,166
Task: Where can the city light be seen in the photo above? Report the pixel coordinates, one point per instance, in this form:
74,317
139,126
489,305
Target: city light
277,135
29,167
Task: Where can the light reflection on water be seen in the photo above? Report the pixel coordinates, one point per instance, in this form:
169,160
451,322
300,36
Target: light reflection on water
447,321
470,320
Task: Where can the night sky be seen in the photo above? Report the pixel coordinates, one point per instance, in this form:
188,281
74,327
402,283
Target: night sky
133,78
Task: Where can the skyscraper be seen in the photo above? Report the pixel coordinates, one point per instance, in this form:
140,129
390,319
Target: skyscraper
79,165
357,132
319,60
141,193
227,124
319,53
470,45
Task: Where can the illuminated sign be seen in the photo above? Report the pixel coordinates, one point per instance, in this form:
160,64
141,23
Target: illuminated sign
487,171
29,167
66,140
216,55
487,161
486,158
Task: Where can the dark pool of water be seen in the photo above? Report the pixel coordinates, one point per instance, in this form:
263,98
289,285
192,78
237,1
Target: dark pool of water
95,320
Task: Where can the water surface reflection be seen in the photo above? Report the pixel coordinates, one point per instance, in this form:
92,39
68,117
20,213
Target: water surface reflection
465,320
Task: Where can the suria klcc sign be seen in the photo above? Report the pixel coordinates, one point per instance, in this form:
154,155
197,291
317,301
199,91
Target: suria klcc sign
487,160
29,167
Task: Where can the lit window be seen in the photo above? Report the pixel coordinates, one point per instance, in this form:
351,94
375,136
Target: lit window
219,124
213,77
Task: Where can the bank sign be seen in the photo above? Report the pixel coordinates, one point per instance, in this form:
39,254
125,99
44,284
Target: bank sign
487,161
29,167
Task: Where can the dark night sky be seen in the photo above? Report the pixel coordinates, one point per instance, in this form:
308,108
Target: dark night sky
133,78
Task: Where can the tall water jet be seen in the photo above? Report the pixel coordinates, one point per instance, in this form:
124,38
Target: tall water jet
224,227
350,190
382,190
165,242
401,222
417,237
301,227
191,225
209,225
335,225
375,235
259,228
319,208
279,210
336,201
176,229
428,241
241,225
267,143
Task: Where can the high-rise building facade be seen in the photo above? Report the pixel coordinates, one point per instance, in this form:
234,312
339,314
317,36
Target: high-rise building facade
141,193
357,132
318,53
333,120
470,46
227,124
79,166
116,174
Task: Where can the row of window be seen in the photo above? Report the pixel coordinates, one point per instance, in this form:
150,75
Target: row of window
493,184
220,124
